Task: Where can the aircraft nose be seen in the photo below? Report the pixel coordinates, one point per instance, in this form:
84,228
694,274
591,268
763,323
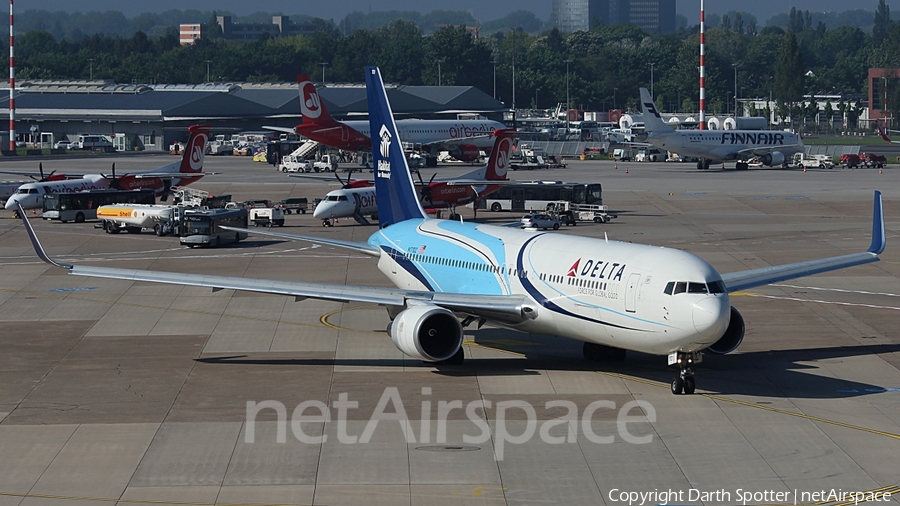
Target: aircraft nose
11,203
324,210
711,315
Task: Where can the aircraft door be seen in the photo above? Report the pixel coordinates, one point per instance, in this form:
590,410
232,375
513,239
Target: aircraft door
518,199
631,290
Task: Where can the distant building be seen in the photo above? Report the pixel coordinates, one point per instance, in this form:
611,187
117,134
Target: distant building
650,15
187,34
880,94
281,26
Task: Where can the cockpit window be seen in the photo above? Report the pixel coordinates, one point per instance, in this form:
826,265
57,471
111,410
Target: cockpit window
716,286
697,288
680,287
342,198
669,287
332,198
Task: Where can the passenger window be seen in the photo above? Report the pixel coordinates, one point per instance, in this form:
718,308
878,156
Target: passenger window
697,288
669,287
680,287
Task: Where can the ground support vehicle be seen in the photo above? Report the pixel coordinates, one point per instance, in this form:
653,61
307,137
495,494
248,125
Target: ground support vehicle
293,163
872,160
133,218
203,227
328,163
297,205
597,213
849,161
267,216
813,161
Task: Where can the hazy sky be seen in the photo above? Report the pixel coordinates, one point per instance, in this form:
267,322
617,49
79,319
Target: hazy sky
483,10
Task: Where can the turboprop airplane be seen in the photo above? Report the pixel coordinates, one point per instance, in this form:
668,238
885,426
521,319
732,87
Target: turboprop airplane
614,296
773,148
356,201
186,171
463,138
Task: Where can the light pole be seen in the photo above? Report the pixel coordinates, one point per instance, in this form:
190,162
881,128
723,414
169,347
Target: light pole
536,90
652,96
614,97
735,65
92,68
567,94
207,70
439,70
495,78
323,64
514,72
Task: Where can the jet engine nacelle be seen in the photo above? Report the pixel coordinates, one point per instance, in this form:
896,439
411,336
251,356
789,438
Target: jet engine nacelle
428,333
772,159
733,336
466,153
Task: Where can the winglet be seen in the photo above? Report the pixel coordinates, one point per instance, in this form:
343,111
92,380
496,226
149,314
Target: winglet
878,237
37,243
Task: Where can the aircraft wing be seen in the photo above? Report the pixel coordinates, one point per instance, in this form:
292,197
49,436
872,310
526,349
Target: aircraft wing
743,280
359,247
171,175
287,130
760,151
481,182
509,308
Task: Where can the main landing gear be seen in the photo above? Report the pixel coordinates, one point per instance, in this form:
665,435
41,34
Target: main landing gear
600,353
684,382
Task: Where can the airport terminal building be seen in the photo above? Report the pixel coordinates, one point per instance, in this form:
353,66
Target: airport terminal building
151,117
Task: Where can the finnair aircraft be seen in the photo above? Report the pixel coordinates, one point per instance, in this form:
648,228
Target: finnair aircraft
772,147
183,172
613,296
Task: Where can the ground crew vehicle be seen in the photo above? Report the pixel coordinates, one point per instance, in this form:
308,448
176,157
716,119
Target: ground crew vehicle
267,216
540,220
872,160
328,163
849,161
132,218
813,161
295,205
202,227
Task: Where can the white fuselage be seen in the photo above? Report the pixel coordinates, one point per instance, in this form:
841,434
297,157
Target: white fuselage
31,195
727,144
346,202
611,293
424,131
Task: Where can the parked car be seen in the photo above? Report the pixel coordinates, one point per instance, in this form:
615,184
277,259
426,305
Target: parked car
540,220
64,144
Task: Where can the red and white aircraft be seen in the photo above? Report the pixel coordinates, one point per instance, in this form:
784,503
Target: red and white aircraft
462,138
357,198
186,171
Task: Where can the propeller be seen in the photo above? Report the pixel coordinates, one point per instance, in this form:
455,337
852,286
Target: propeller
113,180
43,177
426,188
345,185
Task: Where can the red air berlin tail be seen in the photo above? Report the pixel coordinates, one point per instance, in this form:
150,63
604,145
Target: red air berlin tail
195,151
498,163
311,105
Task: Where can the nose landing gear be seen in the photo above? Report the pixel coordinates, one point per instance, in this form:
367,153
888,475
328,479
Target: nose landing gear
684,382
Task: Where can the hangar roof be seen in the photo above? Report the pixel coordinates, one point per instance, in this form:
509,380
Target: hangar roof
107,100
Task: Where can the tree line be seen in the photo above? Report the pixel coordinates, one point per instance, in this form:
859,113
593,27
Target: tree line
605,65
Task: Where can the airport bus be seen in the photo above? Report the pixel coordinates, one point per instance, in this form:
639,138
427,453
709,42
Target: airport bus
536,195
80,206
201,227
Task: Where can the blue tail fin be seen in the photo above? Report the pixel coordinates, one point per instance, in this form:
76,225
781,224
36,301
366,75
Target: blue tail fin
394,187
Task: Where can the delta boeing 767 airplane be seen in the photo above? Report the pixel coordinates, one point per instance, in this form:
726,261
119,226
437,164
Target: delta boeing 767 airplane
613,296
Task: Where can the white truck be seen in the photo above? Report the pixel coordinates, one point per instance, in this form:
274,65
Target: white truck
267,216
813,161
328,163
293,163
133,218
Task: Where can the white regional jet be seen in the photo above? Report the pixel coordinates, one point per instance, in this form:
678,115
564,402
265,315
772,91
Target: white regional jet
183,172
613,296
772,147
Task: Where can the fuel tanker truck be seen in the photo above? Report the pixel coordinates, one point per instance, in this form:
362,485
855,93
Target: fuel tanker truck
132,218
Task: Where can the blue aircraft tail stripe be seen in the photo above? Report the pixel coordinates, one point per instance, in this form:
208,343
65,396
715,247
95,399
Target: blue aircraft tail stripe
397,196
